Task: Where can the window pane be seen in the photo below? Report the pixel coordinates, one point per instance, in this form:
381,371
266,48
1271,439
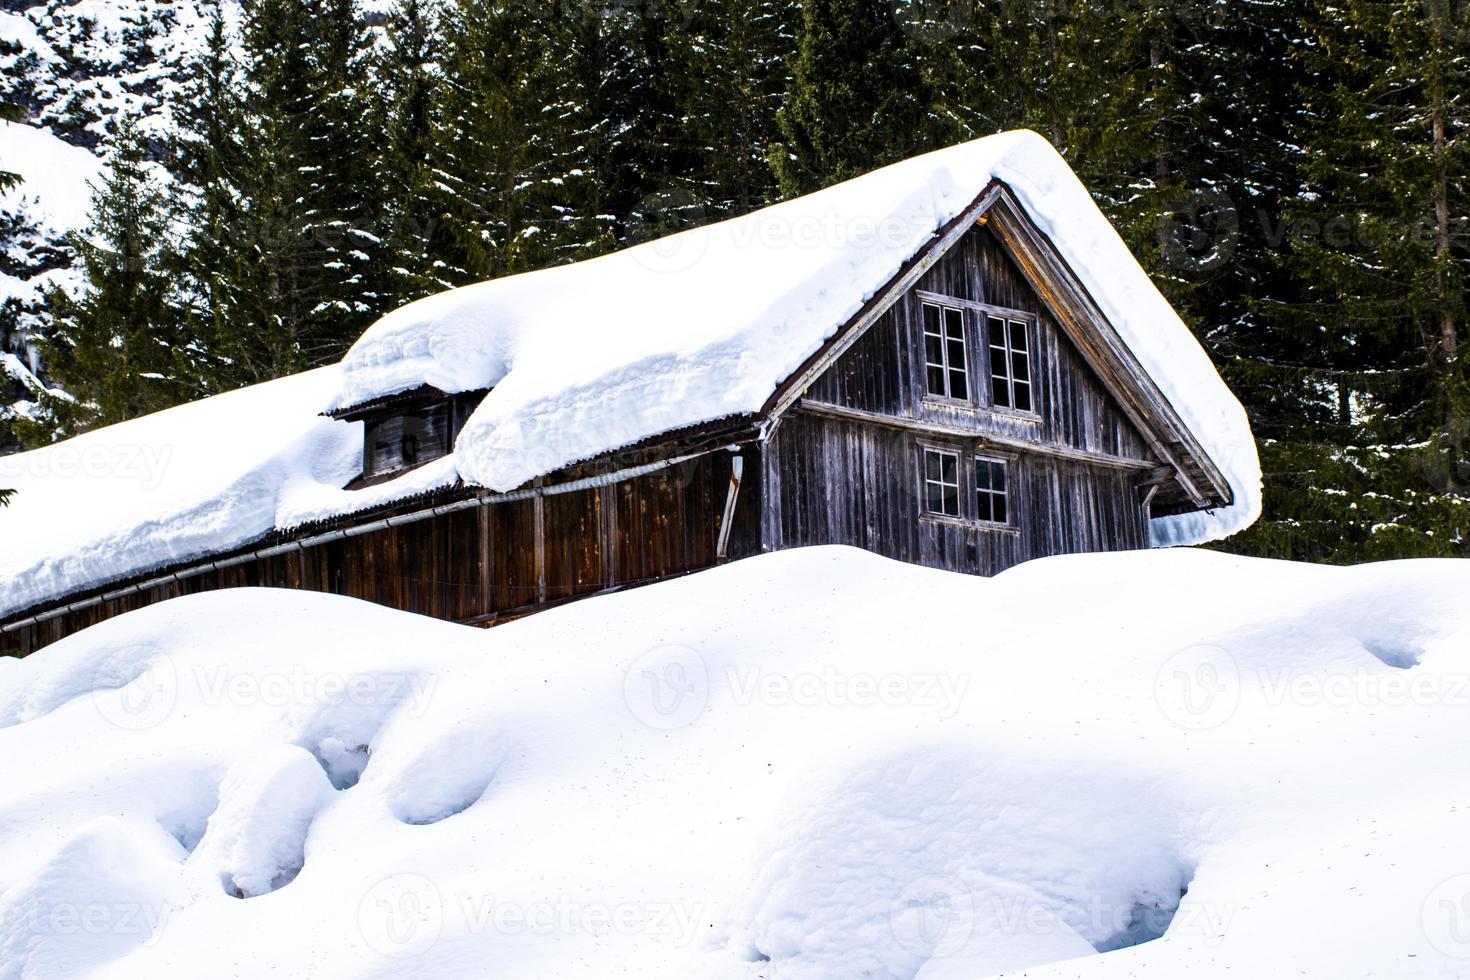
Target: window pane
1000,393
998,509
1018,335
954,322
982,506
1020,366
931,318
1023,396
959,387
931,465
955,348
935,498
997,332
951,472
951,501
933,349
936,380
982,474
998,477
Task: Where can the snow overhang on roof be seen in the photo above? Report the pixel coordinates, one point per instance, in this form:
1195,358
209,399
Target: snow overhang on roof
586,358
708,323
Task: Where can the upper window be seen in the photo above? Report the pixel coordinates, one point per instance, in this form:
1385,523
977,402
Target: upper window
990,490
942,482
945,359
1010,363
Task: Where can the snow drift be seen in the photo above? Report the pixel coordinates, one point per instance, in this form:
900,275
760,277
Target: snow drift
1209,766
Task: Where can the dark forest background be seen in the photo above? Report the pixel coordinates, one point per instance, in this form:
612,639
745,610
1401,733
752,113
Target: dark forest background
1292,173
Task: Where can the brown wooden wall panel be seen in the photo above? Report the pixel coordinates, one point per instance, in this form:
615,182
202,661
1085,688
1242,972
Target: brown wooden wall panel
513,579
573,544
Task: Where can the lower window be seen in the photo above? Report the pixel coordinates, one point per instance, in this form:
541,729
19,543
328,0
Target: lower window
942,482
990,490
942,487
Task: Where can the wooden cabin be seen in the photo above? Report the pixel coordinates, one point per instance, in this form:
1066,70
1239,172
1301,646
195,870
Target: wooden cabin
979,410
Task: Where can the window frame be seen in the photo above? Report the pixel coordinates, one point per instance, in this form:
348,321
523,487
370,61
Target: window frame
1011,320
940,449
943,303
979,354
969,454
1008,479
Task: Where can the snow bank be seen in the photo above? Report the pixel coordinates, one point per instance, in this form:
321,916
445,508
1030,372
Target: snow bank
706,323
760,771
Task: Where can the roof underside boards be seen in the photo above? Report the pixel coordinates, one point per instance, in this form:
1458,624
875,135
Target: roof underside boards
584,359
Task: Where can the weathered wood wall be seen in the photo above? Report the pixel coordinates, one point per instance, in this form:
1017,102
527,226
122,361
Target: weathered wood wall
834,481
616,536
884,370
853,478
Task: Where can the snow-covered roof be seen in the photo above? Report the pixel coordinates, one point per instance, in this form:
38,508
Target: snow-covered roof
582,359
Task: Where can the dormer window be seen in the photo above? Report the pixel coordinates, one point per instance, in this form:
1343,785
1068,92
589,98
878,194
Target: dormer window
401,441
403,431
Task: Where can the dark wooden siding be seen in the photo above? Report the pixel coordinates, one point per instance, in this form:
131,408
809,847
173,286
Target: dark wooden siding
833,481
538,551
883,371
849,481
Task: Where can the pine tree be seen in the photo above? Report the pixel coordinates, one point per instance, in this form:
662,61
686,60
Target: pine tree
1375,463
730,75
9,112
865,92
513,163
118,346
205,160
410,82
283,172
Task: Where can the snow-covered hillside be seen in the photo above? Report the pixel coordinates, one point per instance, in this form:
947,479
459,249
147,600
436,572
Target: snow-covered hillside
76,68
814,764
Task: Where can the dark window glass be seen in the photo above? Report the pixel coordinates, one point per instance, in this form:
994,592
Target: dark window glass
942,482
1010,363
990,490
946,370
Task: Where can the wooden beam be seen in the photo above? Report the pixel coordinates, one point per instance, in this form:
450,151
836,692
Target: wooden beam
986,438
1105,351
795,386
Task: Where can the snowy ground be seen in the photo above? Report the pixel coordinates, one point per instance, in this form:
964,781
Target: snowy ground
816,764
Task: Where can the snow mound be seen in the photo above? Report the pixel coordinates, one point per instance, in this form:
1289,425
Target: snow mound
256,839
1209,766
589,357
